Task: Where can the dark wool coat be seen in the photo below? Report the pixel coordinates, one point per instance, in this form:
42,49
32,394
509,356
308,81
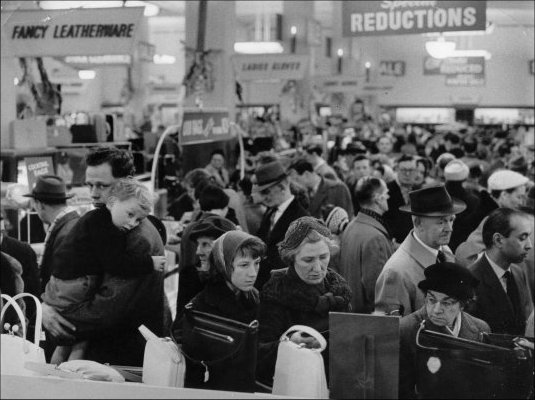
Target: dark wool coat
471,328
286,300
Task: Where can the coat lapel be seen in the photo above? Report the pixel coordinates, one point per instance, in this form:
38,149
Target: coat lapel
416,251
494,286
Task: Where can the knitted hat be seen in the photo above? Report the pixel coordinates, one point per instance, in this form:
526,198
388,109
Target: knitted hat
451,279
337,220
299,230
506,179
456,170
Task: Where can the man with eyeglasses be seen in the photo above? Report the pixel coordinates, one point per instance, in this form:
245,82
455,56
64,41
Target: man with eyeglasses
448,288
129,302
400,223
432,211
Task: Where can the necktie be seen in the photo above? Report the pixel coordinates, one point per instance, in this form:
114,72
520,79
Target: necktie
512,292
272,217
441,257
267,223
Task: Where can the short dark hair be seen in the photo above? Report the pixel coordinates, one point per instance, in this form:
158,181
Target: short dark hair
121,161
470,146
366,188
217,151
314,149
199,187
196,175
213,197
405,158
360,157
498,221
426,163
300,166
53,202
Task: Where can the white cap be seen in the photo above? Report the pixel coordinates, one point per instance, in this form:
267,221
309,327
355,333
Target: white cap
506,179
456,170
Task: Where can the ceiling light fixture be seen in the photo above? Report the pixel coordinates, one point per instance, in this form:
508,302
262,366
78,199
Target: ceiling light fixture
87,74
258,47
439,48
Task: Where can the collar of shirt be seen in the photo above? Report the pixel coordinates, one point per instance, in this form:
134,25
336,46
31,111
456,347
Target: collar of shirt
282,208
319,164
456,326
499,272
434,251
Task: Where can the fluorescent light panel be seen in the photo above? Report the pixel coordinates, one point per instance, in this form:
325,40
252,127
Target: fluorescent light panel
258,47
87,74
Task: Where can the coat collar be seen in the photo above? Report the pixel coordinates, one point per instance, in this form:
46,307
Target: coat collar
367,220
416,251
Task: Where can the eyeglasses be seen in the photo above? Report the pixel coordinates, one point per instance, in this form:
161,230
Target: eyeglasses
447,304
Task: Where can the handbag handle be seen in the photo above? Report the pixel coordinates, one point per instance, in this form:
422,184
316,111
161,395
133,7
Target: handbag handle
311,331
11,302
38,315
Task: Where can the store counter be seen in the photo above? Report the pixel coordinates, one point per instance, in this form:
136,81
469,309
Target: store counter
44,387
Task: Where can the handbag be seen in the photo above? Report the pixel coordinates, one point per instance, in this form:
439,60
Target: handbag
16,350
163,363
220,352
289,379
444,362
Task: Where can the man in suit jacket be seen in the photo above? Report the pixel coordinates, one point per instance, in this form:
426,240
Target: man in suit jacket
365,245
50,203
503,297
271,182
433,212
322,191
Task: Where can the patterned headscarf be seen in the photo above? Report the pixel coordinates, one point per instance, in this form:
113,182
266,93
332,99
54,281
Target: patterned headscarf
224,251
299,230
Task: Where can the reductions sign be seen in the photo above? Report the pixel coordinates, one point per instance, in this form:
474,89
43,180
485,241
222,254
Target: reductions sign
80,32
204,127
459,71
370,18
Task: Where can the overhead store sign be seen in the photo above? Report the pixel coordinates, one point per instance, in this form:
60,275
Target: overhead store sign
270,66
392,68
459,71
76,32
373,18
205,126
337,84
107,59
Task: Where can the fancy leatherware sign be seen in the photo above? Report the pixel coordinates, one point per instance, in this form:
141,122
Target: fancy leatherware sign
368,18
77,32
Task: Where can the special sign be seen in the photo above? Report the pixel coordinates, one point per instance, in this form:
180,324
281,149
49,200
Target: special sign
369,18
76,32
262,67
204,127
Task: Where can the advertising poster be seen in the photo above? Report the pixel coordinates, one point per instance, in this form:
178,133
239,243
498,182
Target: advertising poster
205,126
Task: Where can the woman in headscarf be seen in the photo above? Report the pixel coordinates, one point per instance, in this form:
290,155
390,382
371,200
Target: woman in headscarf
303,293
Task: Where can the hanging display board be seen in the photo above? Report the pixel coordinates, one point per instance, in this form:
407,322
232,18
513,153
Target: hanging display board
458,71
84,32
205,126
374,18
337,84
270,66
37,166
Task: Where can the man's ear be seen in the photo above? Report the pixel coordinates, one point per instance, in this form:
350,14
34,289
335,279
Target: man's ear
497,239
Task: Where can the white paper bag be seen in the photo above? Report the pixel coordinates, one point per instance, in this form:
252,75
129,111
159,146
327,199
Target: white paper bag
16,350
289,379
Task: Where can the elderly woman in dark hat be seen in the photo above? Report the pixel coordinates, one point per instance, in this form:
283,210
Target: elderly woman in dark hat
303,293
448,287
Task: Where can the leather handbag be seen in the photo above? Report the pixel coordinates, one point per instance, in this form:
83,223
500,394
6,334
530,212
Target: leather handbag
289,379
16,350
451,367
220,353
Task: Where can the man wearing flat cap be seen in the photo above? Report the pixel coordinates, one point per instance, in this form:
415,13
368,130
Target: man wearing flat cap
432,211
193,278
272,184
448,288
50,202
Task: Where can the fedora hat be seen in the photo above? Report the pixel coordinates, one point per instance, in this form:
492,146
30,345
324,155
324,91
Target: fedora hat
49,187
268,175
433,201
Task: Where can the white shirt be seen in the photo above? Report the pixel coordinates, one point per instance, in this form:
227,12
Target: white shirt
281,209
456,326
500,272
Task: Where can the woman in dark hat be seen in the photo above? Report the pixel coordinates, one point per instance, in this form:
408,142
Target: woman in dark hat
303,293
448,288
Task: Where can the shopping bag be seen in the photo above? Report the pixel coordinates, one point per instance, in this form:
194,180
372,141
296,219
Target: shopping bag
163,362
289,379
16,350
220,353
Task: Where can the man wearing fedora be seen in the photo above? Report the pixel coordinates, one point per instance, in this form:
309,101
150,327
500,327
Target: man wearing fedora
273,186
50,202
432,211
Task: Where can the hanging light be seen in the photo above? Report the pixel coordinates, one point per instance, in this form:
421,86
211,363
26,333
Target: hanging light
440,48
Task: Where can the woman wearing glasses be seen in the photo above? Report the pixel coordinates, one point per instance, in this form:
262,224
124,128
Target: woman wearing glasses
448,288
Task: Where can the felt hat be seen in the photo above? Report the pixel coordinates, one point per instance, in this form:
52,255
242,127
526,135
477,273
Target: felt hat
505,179
267,175
433,201
456,170
451,279
49,187
212,227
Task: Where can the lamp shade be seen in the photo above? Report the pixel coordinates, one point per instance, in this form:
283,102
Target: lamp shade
440,48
